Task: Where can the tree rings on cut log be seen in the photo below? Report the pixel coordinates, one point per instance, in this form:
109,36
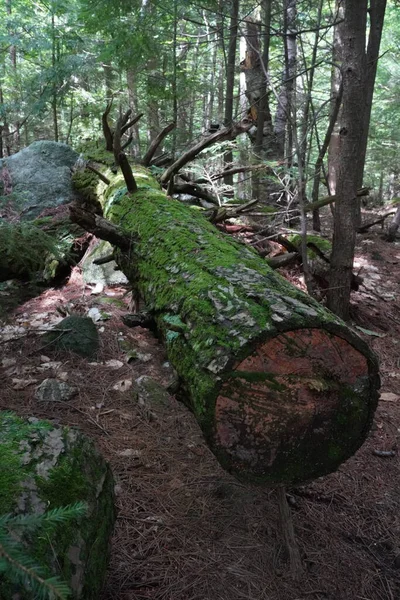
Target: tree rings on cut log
294,409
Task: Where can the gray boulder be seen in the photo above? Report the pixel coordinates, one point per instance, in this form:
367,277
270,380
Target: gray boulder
44,467
105,274
41,176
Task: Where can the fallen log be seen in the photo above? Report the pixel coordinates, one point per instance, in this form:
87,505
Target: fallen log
283,390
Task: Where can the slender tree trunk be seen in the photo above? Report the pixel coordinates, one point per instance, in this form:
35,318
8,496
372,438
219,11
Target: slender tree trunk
54,65
230,79
376,15
380,192
255,69
336,78
1,126
264,145
174,85
282,124
350,140
153,117
210,81
13,49
133,104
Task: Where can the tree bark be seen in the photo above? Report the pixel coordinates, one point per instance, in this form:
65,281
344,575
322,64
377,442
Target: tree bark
230,80
283,390
377,16
350,139
336,97
283,134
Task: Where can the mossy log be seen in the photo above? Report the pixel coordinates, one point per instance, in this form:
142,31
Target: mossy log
283,390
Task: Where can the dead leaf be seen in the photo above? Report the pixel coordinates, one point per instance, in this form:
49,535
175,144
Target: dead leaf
114,364
389,397
21,384
8,362
123,385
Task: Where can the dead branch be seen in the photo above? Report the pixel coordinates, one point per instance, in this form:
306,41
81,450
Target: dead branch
227,133
286,522
120,157
155,144
330,199
100,227
104,259
131,123
224,213
108,135
99,174
171,186
123,119
235,170
196,191
365,226
128,142
282,260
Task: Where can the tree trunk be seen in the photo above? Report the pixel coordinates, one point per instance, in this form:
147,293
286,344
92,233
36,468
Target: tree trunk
282,117
133,104
350,138
230,80
283,390
377,16
255,66
376,12
336,85
54,102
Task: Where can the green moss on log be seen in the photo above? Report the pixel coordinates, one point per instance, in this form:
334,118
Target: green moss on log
220,308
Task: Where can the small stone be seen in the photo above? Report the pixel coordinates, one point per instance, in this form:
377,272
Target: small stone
151,392
52,390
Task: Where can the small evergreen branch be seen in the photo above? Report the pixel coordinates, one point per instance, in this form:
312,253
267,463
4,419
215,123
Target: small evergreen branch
19,567
22,568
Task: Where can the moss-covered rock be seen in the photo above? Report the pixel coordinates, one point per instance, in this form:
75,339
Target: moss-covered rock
75,334
43,467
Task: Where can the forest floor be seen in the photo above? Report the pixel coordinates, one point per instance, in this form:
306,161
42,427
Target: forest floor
185,529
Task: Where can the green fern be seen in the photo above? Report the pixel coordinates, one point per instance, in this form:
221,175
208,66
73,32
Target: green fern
21,569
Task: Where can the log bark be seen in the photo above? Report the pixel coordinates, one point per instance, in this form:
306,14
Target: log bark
283,390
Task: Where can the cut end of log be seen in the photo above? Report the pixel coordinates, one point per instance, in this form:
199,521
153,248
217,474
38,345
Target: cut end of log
295,409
